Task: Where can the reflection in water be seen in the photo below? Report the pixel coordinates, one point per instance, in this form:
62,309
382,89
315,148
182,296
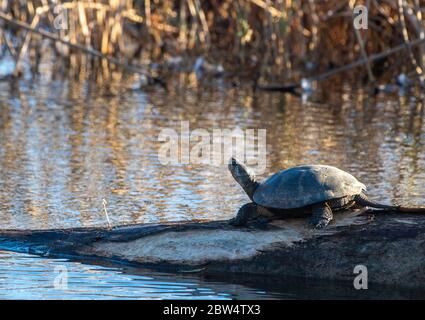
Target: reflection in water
24,276
66,145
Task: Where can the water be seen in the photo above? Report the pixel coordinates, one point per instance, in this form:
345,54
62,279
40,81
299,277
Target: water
66,146
24,276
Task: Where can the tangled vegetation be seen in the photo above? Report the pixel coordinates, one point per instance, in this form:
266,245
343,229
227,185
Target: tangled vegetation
275,39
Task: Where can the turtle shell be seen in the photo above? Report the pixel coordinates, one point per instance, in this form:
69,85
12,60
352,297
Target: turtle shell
301,186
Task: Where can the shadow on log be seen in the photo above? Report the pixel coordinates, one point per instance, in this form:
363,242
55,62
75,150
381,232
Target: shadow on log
390,245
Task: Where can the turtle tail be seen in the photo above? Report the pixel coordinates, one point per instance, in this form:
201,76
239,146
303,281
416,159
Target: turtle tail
363,200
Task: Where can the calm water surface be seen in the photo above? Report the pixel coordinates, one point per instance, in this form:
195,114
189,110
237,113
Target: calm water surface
65,146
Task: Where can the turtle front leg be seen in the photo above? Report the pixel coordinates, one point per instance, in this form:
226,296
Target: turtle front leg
322,215
248,212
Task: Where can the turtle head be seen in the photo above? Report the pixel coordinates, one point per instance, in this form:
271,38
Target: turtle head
243,176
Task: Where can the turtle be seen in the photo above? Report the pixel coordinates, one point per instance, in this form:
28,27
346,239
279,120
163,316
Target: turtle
305,190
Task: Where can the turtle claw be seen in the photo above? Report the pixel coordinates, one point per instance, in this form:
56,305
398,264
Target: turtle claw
235,222
261,223
318,224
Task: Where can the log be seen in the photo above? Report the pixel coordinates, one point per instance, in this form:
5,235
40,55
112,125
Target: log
390,245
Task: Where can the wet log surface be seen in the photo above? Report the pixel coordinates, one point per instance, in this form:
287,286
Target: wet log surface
390,245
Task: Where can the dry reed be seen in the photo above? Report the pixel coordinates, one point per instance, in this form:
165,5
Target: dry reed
253,37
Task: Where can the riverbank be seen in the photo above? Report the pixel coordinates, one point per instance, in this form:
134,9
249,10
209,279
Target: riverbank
274,41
